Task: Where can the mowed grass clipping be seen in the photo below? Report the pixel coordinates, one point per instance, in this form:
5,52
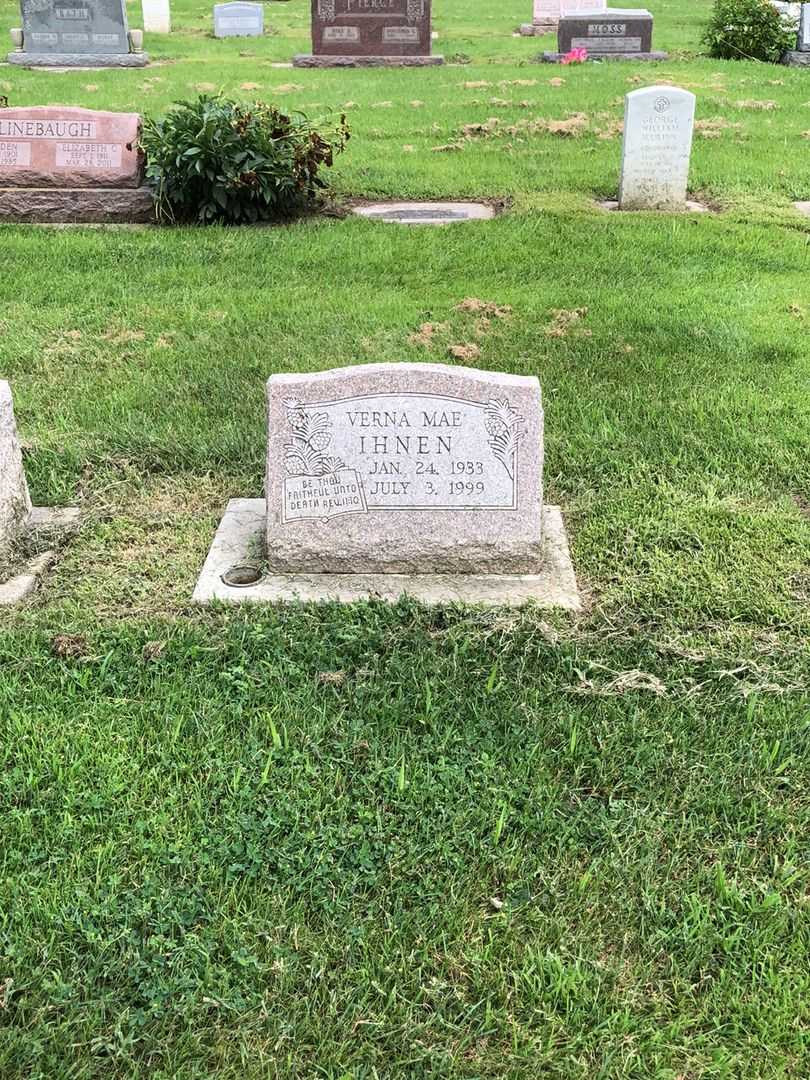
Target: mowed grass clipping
377,841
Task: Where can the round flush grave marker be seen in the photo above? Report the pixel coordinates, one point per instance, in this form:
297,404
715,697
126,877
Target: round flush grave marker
426,213
242,577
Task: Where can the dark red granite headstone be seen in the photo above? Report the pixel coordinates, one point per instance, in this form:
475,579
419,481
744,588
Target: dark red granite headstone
371,27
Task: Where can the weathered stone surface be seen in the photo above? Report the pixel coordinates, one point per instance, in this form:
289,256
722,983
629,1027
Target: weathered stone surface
73,33
537,29
65,147
425,213
15,504
240,536
307,60
238,19
85,61
371,28
656,148
22,585
615,30
404,468
157,16
75,206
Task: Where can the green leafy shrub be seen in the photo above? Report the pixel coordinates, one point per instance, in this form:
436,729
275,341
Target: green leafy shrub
215,160
749,30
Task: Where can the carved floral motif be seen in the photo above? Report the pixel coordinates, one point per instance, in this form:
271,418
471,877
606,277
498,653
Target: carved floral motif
505,427
305,454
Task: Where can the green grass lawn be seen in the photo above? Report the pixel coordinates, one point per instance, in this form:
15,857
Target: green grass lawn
391,841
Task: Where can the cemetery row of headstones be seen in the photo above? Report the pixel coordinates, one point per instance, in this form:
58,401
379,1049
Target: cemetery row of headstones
345,33
65,164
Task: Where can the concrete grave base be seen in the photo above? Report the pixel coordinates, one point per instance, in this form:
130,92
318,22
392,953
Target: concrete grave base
803,208
538,29
794,58
71,206
239,542
691,206
425,213
556,57
308,60
50,522
78,60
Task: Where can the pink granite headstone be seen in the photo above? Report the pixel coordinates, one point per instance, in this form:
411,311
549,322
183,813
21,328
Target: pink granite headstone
51,146
404,468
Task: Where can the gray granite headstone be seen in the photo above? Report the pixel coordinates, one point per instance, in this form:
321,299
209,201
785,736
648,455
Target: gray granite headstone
75,32
404,468
15,504
656,148
804,29
238,20
604,33
75,26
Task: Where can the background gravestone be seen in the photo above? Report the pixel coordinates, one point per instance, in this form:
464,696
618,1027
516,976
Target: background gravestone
612,34
800,56
157,16
656,148
238,20
72,33
353,33
547,13
15,504
64,164
545,17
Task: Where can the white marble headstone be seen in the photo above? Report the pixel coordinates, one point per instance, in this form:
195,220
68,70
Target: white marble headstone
404,468
656,148
157,16
582,7
547,11
15,504
238,19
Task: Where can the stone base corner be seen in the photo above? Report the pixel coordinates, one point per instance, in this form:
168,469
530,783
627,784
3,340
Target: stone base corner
241,535
538,29
48,522
308,60
794,58
691,206
77,60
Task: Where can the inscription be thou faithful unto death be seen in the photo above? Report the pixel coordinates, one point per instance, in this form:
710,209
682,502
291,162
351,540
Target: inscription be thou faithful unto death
404,468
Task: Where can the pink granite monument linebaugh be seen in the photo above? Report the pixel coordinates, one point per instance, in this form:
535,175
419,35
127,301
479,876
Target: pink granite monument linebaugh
65,164
54,146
